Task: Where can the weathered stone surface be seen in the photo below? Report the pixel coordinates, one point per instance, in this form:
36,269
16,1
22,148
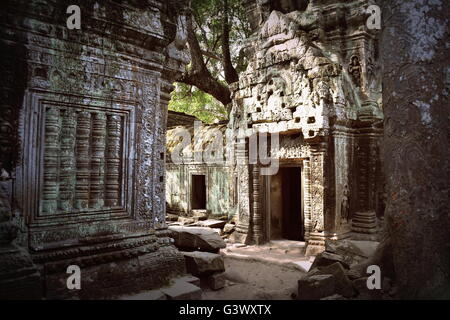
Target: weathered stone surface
196,238
76,112
326,258
211,223
352,251
229,228
343,285
186,220
181,290
216,281
203,263
316,287
191,279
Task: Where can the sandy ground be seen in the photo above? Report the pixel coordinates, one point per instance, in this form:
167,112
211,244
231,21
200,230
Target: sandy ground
264,272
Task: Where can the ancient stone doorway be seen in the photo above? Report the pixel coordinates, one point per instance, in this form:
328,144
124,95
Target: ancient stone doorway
285,208
198,192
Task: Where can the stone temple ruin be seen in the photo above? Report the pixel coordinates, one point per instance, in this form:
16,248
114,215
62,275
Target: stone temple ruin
76,106
85,173
313,79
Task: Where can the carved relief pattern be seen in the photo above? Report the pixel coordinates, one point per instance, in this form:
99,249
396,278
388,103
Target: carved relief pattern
97,162
67,171
113,151
257,214
82,160
52,136
307,197
82,151
292,148
317,193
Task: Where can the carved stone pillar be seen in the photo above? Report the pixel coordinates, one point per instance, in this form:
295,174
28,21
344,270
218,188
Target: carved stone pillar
112,185
244,179
307,198
67,172
83,165
51,157
97,178
258,218
316,241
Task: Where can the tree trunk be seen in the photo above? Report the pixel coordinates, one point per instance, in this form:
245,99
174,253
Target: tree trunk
230,72
416,107
198,75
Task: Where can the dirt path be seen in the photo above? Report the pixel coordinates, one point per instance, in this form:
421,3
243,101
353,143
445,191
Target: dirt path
253,279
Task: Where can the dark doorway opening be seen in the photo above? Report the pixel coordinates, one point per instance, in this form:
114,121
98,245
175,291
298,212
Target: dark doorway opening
198,192
286,221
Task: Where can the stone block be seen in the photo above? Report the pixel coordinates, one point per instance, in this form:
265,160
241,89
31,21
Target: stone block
191,279
212,223
203,263
182,290
327,258
216,281
316,287
197,238
343,285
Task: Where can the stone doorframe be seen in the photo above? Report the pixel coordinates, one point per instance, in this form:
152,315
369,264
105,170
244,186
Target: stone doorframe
196,171
265,199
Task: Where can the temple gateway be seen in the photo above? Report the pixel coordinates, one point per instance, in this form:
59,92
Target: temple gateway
85,176
313,80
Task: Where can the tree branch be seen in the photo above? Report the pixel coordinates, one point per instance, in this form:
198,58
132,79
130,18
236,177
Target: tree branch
230,72
199,75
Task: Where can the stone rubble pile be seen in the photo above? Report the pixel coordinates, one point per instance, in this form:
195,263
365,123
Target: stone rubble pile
221,225
200,240
336,274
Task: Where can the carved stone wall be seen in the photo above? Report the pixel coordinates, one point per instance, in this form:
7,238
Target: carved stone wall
84,112
219,175
313,77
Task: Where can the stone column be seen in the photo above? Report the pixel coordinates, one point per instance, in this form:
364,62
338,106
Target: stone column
318,189
244,207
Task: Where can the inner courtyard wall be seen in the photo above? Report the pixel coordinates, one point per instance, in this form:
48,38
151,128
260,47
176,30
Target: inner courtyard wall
83,119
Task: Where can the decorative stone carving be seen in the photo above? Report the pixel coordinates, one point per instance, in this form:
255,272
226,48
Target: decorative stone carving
354,68
112,181
87,115
345,204
298,84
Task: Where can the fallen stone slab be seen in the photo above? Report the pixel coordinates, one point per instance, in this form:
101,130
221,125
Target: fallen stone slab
182,290
197,238
216,281
191,279
327,258
316,287
212,223
343,285
203,263
355,247
186,220
352,251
